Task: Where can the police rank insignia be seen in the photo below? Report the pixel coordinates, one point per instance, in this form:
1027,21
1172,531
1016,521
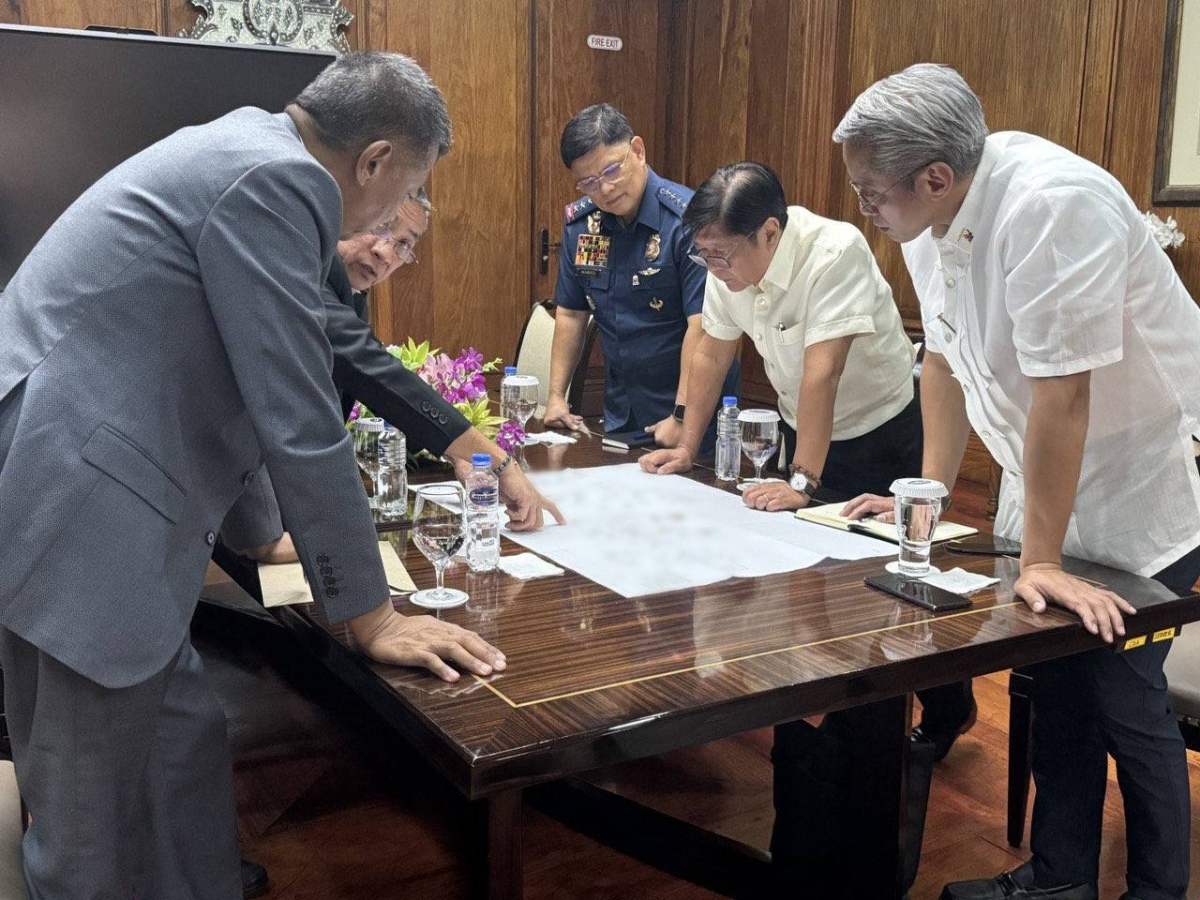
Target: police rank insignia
656,304
653,247
594,223
591,251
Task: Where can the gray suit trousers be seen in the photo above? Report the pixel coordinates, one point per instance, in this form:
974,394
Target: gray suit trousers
130,789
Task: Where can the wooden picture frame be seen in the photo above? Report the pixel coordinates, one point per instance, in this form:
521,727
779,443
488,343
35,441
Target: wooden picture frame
1177,156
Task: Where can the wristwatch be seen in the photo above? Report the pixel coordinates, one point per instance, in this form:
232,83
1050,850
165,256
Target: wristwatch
678,414
802,482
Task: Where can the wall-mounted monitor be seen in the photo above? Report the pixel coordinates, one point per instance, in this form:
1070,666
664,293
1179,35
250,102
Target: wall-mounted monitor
74,104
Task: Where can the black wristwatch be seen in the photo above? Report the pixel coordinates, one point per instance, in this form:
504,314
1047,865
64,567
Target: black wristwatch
678,414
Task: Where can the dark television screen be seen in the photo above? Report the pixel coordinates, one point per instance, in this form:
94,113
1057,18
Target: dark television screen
73,104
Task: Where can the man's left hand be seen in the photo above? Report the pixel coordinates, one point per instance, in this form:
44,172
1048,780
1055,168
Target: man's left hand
1099,610
773,496
667,432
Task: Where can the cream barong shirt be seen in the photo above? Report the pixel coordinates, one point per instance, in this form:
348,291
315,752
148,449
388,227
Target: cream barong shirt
1048,270
823,283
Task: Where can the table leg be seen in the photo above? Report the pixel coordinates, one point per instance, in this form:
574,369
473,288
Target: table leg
879,795
499,868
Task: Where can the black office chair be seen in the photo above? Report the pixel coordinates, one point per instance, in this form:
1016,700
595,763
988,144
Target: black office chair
1183,679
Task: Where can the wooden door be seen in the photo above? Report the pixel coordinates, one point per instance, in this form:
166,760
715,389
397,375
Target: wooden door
568,76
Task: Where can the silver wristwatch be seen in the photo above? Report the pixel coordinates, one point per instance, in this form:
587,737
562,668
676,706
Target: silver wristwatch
801,484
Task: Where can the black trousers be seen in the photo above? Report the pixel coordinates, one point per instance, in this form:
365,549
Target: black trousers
814,831
1092,706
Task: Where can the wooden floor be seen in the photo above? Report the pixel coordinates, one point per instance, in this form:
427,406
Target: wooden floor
337,810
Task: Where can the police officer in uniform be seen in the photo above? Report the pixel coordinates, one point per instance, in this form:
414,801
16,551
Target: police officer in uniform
624,259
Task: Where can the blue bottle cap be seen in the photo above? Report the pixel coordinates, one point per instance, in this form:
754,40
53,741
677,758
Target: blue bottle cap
729,401
481,459
510,370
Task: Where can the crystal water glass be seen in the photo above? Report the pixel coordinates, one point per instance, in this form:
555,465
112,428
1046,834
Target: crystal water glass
760,438
439,530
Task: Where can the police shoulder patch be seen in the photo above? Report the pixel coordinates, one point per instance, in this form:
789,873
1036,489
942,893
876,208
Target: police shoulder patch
675,198
578,209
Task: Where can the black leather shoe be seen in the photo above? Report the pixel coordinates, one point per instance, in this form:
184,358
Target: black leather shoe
943,736
254,880
1016,885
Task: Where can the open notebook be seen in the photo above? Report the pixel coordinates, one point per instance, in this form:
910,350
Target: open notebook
829,514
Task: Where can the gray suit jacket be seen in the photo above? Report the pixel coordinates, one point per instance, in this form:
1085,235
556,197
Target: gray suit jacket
162,342
362,369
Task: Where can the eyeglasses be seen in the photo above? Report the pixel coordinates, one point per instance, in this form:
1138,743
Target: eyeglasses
608,175
402,247
713,261
868,203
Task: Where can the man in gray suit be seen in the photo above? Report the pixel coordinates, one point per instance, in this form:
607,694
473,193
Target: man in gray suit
163,341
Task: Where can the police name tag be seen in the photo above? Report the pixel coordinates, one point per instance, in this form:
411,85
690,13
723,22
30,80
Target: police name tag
591,251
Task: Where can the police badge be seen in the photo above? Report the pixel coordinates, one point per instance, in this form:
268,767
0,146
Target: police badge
594,223
653,247
306,24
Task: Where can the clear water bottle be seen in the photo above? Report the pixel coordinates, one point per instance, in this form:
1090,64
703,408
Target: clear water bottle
393,474
510,395
729,441
483,515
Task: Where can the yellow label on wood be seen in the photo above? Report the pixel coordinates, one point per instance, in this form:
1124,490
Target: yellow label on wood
1134,643
1165,635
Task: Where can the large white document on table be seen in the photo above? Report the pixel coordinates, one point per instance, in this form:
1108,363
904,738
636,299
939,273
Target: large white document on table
637,533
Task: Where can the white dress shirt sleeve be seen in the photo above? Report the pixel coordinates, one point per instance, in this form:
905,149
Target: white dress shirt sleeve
843,296
716,318
1065,263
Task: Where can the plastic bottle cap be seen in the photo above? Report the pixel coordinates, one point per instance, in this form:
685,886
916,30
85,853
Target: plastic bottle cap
758,415
729,401
919,488
521,380
481,459
372,424
510,370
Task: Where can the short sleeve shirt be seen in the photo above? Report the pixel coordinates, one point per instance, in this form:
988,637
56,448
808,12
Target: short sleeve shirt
823,283
1048,270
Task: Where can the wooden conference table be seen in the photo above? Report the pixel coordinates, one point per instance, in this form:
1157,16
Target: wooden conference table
594,679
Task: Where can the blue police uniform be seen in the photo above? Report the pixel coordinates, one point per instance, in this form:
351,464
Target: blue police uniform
641,287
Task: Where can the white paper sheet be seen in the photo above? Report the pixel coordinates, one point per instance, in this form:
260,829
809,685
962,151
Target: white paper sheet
284,584
638,534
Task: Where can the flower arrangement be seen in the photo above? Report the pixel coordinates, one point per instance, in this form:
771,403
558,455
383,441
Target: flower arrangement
1166,234
460,381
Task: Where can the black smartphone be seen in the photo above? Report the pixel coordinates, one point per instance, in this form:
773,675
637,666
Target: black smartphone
985,545
926,596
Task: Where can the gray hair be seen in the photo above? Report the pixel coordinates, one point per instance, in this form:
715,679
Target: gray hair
370,96
421,198
926,113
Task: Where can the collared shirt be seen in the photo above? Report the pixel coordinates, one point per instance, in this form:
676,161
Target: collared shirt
640,285
1048,270
823,283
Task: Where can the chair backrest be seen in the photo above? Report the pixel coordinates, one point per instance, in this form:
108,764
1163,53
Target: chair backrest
12,876
534,350
1183,673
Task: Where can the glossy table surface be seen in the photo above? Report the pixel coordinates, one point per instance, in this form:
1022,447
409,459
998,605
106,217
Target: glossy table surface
594,678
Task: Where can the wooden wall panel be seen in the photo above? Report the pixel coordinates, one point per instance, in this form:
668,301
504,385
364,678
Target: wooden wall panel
472,284
1134,123
1025,59
81,13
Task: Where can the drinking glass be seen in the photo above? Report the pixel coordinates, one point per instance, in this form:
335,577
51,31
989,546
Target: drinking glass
523,401
918,508
439,529
366,452
760,438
